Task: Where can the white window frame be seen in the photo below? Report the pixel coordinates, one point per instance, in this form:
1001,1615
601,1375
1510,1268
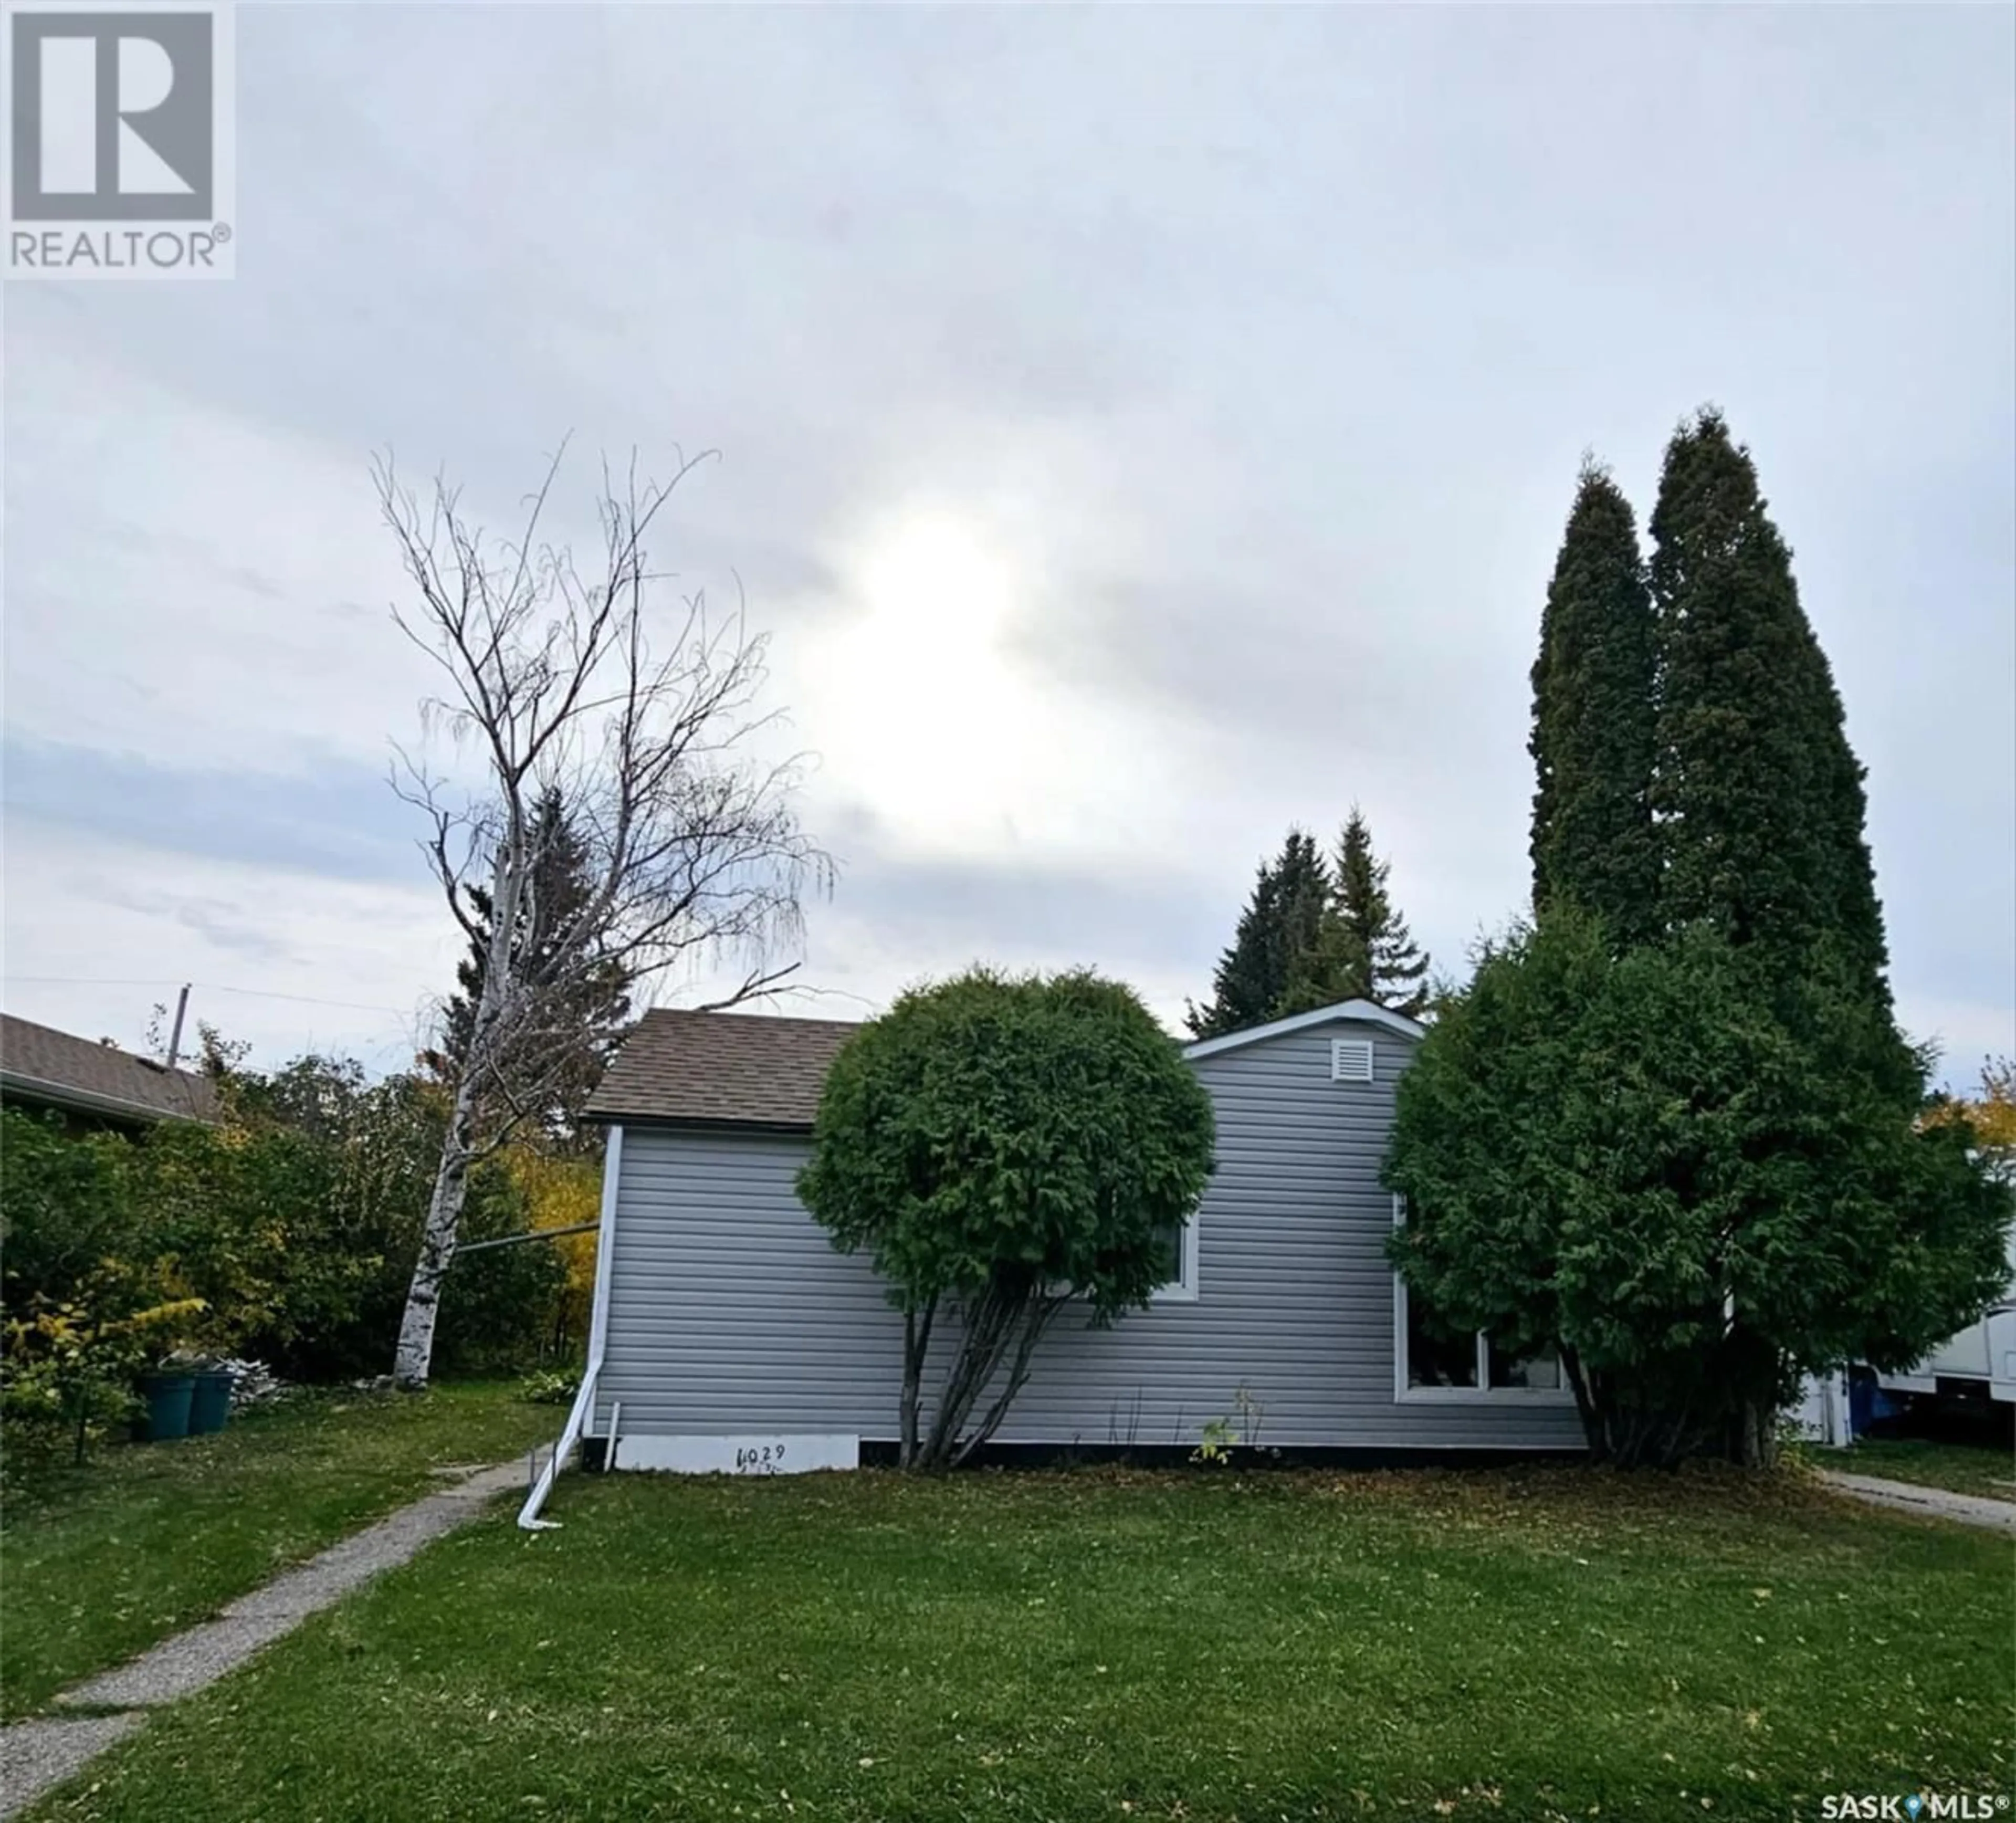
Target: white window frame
1182,1289
1483,1391
1360,1047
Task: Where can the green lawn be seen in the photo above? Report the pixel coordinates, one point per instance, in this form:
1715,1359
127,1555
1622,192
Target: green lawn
1528,1644
98,1563
1977,1468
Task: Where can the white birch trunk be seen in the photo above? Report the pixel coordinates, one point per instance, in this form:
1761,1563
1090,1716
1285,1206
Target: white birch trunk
414,1359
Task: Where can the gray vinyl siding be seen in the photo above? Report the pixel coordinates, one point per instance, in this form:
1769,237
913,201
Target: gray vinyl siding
729,1312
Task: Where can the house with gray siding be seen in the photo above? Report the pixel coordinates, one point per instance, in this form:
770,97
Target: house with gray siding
728,1334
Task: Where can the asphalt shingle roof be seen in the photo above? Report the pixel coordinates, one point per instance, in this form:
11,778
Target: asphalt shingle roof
39,1063
739,1069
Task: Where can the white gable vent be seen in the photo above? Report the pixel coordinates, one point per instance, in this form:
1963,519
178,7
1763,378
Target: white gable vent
1351,1060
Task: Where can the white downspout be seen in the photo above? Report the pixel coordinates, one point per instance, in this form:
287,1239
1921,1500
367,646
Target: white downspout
598,1336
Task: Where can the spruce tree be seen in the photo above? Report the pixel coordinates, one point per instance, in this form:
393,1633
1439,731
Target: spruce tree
1259,976
1381,961
1594,734
1304,882
1241,992
1758,797
600,1010
1313,935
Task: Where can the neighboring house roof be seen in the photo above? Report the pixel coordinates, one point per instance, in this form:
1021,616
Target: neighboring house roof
39,1064
744,1069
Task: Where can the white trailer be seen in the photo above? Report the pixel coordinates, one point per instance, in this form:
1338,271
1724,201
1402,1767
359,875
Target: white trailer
1821,1415
1974,1367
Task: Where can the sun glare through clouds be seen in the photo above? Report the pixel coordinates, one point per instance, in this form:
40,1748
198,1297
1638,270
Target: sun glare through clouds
921,711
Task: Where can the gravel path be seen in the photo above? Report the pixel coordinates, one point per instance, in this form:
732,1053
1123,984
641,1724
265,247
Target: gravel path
36,1754
1967,1509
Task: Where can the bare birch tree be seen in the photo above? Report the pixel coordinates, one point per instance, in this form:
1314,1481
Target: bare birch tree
561,677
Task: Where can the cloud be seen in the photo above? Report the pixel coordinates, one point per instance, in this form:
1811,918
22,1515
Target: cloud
288,961
328,816
1254,351
219,924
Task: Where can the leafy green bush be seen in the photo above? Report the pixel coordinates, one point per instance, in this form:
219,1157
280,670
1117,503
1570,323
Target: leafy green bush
289,1232
1694,1177
1002,1147
68,1208
66,1377
554,1386
350,1163
79,1280
497,1308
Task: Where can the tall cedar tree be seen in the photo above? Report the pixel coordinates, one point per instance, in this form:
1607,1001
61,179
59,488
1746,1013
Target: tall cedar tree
1757,794
1279,927
599,1007
1594,724
1699,1082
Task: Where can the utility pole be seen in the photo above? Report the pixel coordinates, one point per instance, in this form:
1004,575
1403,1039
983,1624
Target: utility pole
175,1035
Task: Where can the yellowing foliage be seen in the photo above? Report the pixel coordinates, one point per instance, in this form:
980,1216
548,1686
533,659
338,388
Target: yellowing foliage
564,1193
66,1332
1991,1114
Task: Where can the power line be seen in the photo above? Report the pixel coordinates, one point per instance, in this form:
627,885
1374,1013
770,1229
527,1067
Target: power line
305,1000
95,981
209,987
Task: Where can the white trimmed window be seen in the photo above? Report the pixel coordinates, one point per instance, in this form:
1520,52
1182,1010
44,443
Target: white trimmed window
1177,1243
1179,1246
1429,1366
1351,1060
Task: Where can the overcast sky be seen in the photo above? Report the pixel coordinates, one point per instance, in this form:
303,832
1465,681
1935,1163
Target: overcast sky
1139,431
